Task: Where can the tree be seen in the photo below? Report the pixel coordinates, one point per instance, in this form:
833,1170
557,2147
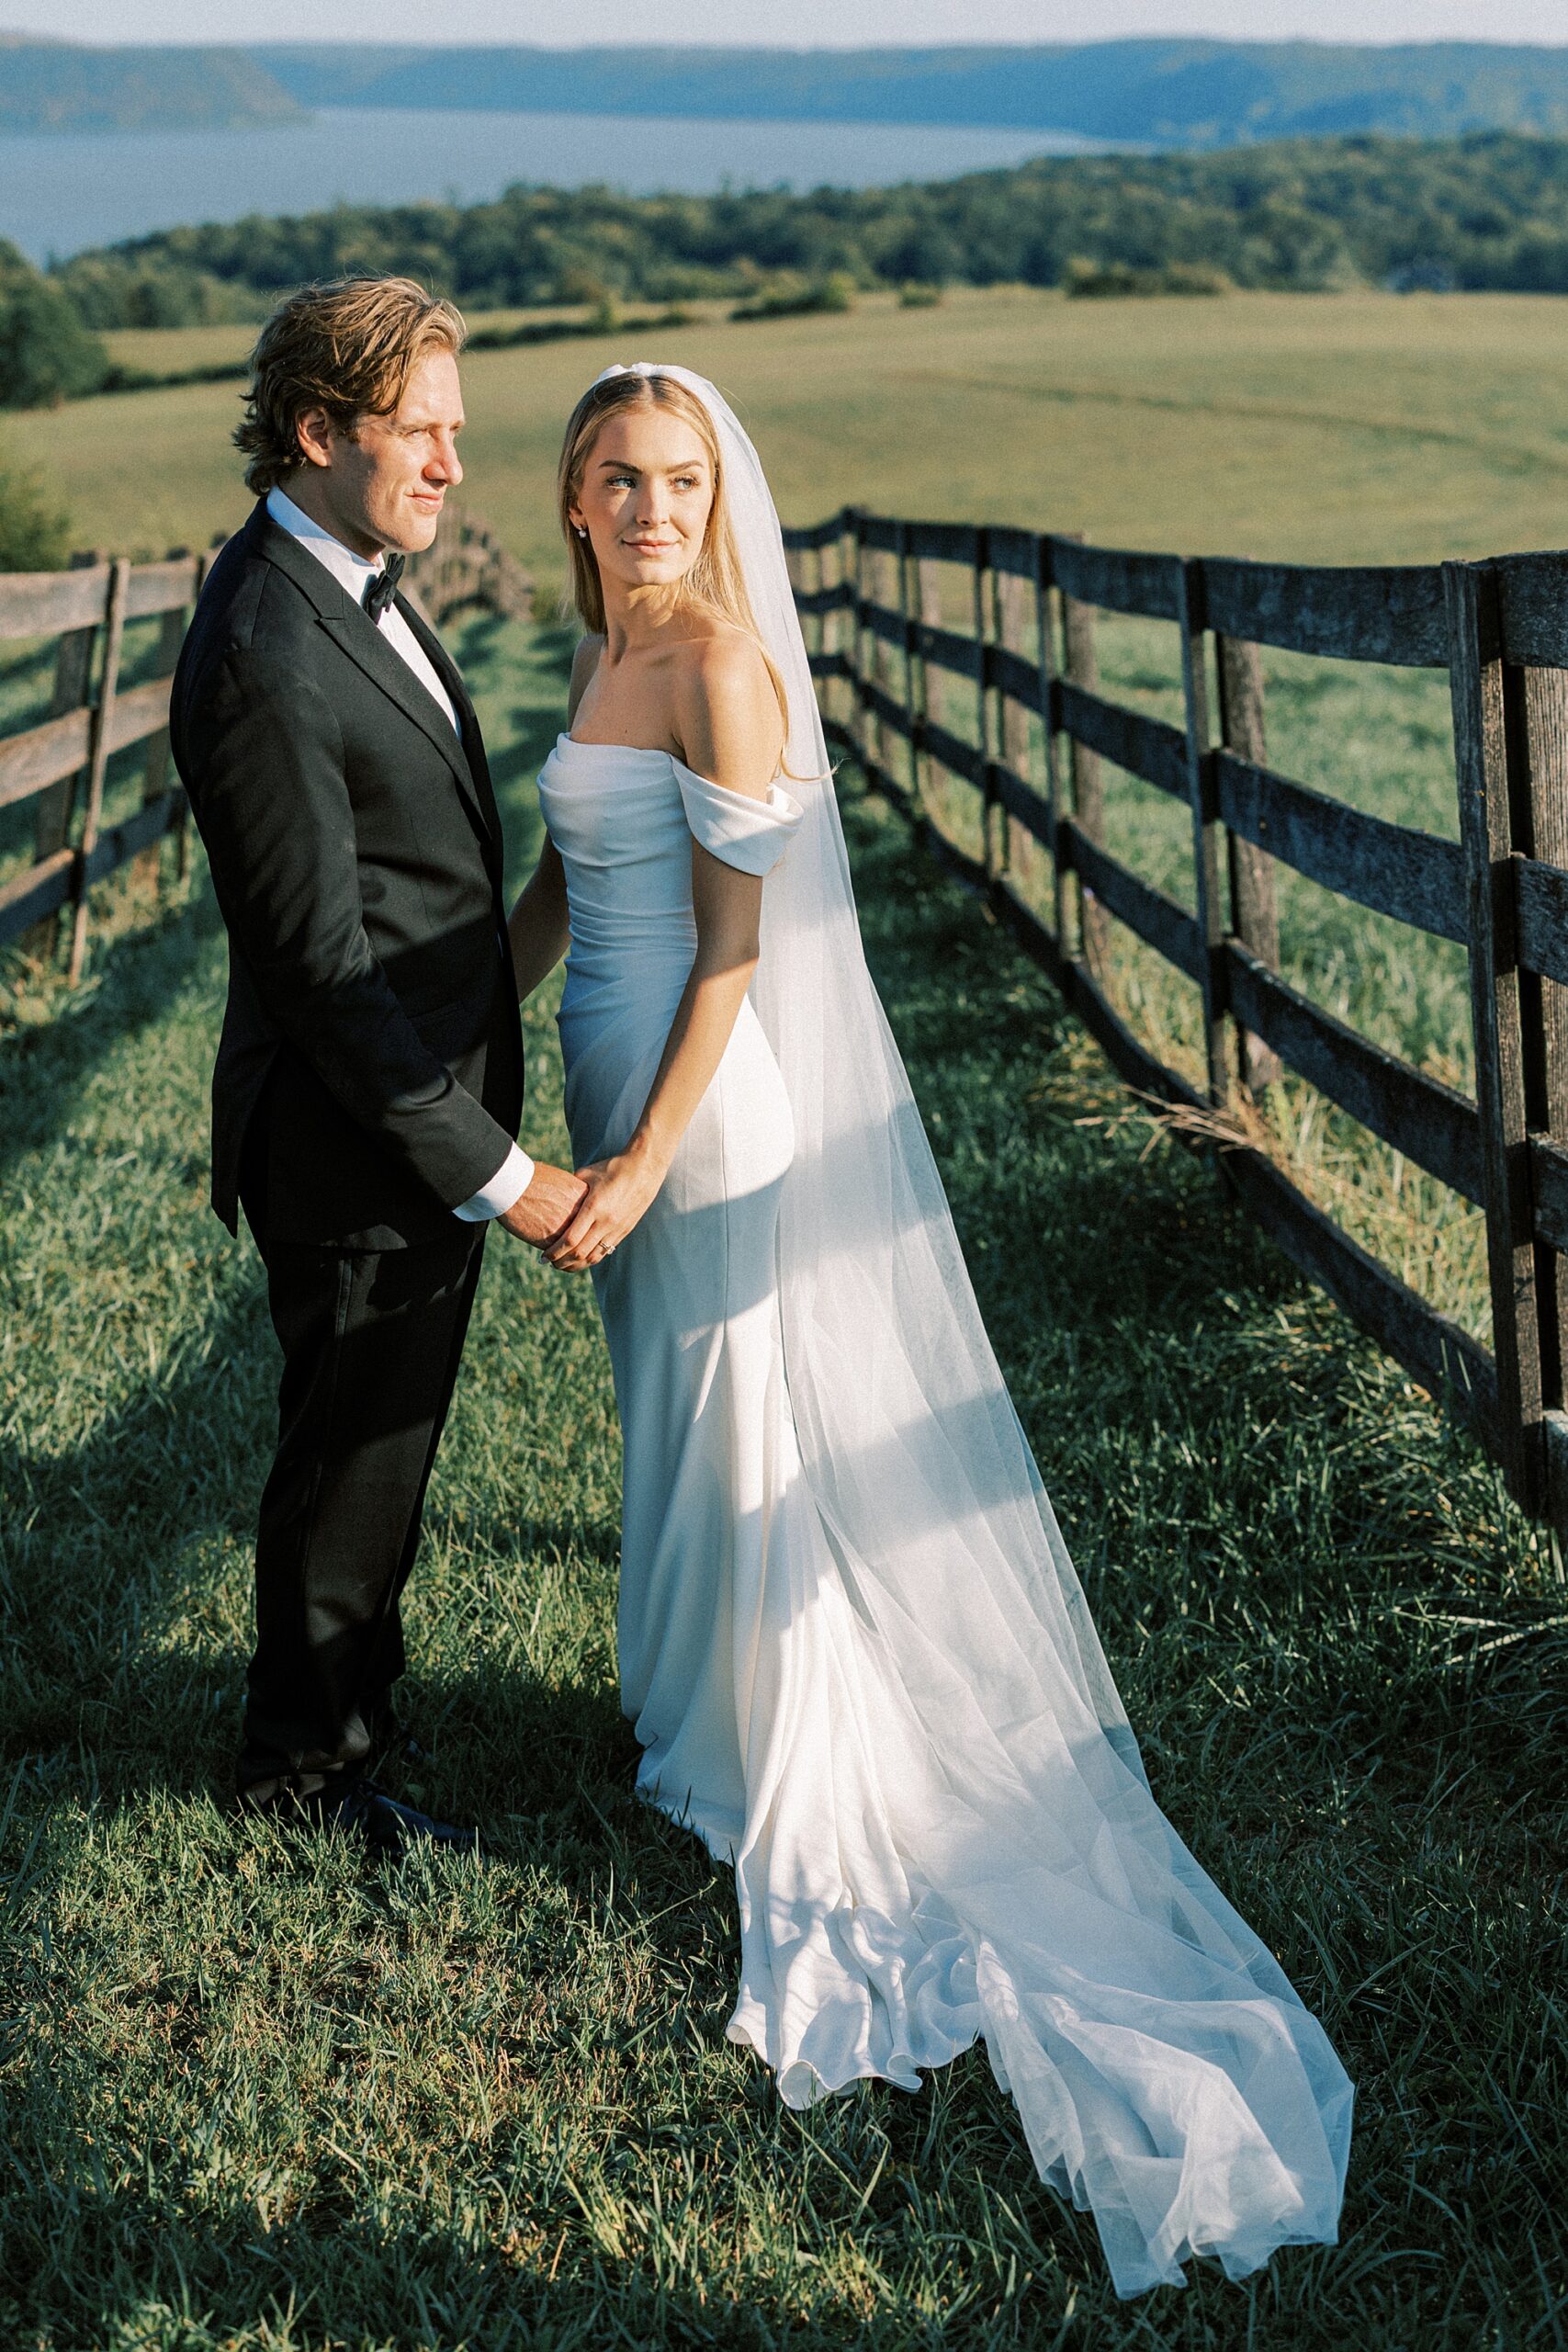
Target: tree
47,355
32,533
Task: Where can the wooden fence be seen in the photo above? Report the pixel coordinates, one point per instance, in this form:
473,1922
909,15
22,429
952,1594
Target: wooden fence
62,763
870,587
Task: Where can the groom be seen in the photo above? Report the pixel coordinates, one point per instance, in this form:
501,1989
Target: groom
369,1078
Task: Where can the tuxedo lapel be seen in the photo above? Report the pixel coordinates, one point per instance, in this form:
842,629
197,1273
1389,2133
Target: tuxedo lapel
451,677
356,635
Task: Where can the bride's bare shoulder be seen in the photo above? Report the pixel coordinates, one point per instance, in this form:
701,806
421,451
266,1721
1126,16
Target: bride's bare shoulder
727,708
584,662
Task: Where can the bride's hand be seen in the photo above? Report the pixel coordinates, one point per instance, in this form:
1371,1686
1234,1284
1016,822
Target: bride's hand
619,1191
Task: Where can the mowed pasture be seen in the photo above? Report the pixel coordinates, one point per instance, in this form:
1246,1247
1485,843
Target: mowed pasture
1349,428
258,2099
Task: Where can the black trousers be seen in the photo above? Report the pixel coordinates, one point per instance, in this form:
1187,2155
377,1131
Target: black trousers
371,1343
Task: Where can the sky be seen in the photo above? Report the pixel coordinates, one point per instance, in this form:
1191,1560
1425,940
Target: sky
801,24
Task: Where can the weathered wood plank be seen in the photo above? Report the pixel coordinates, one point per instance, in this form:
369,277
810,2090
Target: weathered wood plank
880,533
1416,878
943,542
1150,748
1439,1357
1549,1186
1207,833
951,752
1253,914
1022,802
1013,674
949,649
1015,552
1070,975
814,602
814,535
46,604
1167,928
1123,580
35,895
97,762
30,762
830,665
164,587
141,711
1541,901
118,843
878,620
1429,1122
1535,723
1532,607
887,709
1349,613
1475,671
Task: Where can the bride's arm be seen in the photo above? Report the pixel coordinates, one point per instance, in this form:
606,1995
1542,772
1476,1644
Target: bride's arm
730,732
537,927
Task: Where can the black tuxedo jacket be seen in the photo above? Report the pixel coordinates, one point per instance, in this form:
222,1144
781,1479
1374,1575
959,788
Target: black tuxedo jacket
371,1055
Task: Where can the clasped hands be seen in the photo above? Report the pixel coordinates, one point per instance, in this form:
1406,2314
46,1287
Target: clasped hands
574,1221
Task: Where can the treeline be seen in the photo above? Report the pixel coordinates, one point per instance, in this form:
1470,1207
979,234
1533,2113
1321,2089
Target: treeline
1490,210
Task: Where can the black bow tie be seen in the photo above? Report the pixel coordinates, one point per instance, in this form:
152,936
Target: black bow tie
380,592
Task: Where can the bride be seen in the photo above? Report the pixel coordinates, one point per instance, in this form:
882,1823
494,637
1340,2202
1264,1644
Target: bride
857,1655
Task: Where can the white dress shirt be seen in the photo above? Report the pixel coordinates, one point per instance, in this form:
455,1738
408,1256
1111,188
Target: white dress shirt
354,573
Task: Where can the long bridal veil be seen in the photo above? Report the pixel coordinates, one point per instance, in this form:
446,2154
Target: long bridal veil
1167,2076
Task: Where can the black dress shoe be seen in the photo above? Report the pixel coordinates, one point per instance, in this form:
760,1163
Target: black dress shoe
387,1825
357,1808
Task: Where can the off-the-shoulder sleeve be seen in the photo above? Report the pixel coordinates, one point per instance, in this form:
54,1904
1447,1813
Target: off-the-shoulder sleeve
750,835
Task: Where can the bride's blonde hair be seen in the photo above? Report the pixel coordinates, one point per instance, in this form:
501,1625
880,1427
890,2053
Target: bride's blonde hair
716,580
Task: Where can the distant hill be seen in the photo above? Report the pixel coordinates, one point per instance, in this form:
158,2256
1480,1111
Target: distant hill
57,85
1155,93
1170,94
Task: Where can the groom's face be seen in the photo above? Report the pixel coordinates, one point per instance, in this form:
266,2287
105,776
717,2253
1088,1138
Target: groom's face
385,487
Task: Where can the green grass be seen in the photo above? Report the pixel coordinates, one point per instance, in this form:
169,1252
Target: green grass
1366,427
254,2096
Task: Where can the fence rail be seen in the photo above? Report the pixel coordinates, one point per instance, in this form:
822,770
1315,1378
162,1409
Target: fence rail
869,589
61,762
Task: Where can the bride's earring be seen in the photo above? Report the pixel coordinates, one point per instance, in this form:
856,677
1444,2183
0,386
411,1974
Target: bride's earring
582,530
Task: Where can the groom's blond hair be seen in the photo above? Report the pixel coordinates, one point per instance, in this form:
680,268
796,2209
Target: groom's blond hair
716,579
346,346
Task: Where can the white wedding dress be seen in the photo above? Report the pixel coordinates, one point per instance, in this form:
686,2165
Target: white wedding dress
851,1640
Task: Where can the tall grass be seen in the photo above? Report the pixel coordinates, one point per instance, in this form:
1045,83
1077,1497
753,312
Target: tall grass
255,2096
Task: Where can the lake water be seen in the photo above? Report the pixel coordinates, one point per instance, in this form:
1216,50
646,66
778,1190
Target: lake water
60,192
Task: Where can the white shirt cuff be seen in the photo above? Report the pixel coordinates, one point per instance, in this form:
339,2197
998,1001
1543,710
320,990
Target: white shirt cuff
505,1188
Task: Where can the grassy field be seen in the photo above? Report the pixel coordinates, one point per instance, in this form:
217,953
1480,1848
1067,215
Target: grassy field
1350,429
254,2100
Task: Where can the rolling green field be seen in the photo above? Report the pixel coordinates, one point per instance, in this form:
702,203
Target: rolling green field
256,2098
1356,428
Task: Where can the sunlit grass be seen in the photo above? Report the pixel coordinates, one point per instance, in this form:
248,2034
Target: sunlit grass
258,2098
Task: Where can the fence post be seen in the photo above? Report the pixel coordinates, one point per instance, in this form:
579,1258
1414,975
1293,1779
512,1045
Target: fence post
1255,916
98,757
1050,603
1535,722
1086,778
1207,830
72,678
1017,608
929,707
990,849
155,775
1475,677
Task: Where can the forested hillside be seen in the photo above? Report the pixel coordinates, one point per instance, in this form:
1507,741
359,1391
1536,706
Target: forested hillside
1159,93
1487,211
60,86
1192,94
